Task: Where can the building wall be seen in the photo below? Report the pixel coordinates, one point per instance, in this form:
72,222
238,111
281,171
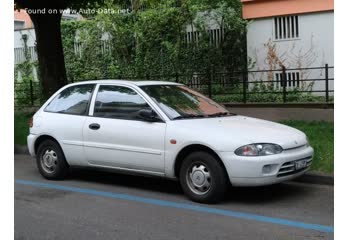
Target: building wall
23,16
313,48
253,9
19,48
18,37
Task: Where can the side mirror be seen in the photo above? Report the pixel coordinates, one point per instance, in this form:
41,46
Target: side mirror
148,115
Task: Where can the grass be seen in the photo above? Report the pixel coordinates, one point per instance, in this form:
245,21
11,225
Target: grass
21,128
320,136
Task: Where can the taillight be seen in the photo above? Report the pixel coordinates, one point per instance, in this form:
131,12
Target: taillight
31,122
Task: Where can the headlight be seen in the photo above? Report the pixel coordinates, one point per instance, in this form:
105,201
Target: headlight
258,149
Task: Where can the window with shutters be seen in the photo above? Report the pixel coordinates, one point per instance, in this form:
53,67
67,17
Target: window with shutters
286,27
215,35
292,79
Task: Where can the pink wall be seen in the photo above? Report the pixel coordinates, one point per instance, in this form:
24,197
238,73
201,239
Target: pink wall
23,16
267,8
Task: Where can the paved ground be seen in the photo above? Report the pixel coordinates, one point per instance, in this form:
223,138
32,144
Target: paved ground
96,205
279,114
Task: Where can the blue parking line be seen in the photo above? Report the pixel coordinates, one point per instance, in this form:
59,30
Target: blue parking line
192,207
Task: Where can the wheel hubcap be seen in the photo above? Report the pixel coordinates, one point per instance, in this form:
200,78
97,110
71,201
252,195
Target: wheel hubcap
199,179
49,160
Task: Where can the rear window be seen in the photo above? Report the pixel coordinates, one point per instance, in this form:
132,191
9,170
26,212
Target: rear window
72,100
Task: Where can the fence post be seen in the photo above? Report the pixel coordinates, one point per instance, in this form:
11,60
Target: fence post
327,82
245,79
210,82
284,81
31,92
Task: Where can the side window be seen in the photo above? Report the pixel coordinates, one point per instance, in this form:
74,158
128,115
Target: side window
118,102
72,100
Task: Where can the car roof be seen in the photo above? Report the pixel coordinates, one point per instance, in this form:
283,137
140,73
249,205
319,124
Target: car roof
126,82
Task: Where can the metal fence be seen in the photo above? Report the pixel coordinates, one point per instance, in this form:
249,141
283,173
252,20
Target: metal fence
314,84
259,86
28,94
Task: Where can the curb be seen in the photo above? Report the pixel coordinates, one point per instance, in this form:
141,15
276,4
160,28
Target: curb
309,177
316,178
20,149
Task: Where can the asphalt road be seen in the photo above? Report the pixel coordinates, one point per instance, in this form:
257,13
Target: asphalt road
97,205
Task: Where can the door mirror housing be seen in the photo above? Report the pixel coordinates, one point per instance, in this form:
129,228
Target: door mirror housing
148,115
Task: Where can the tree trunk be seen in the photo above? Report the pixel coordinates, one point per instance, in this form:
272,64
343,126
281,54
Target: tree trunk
52,72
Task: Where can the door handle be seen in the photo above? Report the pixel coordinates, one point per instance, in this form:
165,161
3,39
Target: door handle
94,126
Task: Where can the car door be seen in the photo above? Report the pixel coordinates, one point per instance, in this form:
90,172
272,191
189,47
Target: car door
115,137
63,118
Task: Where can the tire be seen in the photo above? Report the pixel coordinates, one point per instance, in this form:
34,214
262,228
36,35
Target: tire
203,178
51,161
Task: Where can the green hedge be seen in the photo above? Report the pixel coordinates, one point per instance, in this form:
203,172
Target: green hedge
151,42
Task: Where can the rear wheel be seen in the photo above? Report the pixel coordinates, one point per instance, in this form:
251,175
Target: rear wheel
203,178
51,161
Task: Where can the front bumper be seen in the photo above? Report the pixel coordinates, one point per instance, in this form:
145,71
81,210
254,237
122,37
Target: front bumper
261,181
248,171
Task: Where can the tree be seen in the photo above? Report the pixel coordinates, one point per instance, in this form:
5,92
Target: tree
46,16
144,42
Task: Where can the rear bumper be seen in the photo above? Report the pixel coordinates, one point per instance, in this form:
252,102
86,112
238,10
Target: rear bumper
248,171
31,144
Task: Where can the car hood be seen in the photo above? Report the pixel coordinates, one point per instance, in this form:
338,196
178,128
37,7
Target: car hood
245,130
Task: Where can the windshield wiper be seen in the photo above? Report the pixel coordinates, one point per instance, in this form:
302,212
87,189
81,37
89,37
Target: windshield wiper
220,114
189,116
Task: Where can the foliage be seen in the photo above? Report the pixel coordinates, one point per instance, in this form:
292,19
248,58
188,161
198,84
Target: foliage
25,86
21,127
46,17
321,138
150,42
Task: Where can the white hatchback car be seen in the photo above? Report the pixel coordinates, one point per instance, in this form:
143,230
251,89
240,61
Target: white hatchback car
163,129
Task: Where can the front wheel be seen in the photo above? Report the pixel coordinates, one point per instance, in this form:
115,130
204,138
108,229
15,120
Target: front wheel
51,161
203,178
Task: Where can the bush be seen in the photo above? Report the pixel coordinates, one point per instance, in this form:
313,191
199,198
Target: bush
151,42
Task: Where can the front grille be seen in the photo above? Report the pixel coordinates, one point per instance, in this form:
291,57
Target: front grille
288,168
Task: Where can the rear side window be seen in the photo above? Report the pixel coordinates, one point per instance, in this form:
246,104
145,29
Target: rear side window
72,100
118,102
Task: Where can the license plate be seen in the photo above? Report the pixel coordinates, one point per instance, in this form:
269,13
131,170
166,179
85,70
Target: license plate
300,164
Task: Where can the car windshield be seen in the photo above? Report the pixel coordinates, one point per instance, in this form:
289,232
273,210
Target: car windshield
180,102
